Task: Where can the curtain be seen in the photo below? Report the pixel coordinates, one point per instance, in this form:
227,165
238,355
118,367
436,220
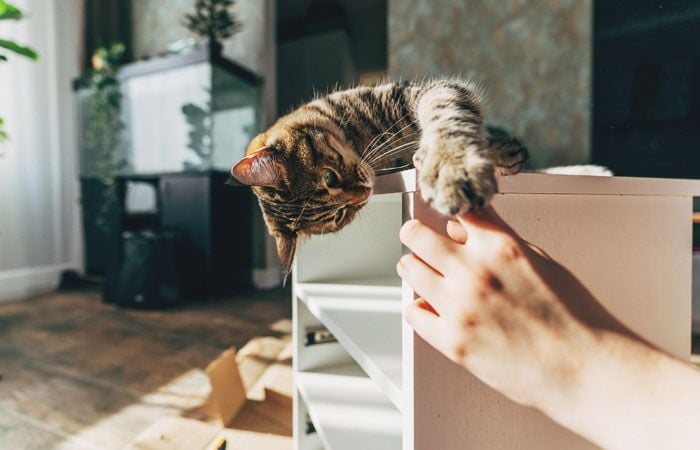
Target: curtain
39,210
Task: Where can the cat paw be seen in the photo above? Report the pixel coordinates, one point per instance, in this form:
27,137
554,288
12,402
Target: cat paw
508,154
453,187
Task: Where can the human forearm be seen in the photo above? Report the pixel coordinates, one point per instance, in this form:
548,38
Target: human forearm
631,396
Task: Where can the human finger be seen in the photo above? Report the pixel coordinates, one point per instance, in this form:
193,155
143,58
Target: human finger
423,279
538,250
426,324
485,220
433,248
426,306
456,232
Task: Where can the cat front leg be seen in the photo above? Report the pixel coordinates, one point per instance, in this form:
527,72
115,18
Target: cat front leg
457,169
454,177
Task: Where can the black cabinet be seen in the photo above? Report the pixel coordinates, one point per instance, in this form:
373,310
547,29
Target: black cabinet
216,224
213,218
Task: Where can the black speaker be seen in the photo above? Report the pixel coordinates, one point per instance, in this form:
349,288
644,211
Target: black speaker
149,275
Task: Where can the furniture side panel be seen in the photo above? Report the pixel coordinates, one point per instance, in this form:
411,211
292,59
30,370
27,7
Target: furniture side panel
633,252
407,341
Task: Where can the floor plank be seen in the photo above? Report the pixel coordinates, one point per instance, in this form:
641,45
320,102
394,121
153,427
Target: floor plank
92,374
20,432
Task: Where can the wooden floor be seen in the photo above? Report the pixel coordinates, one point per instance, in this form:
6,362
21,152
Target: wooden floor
76,373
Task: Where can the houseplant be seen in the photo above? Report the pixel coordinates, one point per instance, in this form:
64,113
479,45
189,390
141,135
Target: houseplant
103,127
11,12
213,20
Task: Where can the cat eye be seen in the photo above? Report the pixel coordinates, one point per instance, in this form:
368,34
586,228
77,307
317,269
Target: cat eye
339,215
331,178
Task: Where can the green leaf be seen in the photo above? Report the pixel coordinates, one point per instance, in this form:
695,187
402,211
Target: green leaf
9,12
20,50
3,58
3,134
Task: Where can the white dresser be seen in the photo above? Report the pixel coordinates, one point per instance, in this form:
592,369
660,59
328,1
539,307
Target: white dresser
378,386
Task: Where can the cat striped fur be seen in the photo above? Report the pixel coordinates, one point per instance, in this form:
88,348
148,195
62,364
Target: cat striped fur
314,168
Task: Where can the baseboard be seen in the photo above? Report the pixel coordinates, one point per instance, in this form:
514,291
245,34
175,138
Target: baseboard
19,284
267,278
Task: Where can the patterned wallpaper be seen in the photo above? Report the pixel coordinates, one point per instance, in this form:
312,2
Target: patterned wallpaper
534,57
158,23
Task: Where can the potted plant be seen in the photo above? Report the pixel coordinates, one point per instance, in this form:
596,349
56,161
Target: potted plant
103,133
213,21
11,12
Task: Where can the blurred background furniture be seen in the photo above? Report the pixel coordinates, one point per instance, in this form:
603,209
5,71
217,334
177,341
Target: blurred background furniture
214,225
185,118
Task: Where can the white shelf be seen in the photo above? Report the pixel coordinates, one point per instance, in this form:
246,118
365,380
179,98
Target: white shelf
348,410
365,317
353,390
357,284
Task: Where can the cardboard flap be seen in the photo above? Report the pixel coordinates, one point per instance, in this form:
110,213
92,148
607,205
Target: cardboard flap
227,388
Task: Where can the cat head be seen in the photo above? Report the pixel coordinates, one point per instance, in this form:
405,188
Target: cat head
308,180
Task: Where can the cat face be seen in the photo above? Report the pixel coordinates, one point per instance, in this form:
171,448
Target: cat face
308,180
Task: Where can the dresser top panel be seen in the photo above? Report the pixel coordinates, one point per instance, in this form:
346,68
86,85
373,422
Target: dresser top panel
538,183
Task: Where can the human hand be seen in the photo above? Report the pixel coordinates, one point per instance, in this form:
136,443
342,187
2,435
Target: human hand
501,307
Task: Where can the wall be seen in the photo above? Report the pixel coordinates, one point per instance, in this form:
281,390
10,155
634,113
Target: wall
158,23
366,24
39,209
368,29
534,58
303,72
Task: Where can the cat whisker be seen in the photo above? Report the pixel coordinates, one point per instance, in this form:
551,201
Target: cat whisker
301,214
397,141
392,140
379,136
387,169
377,165
385,143
393,151
395,147
376,145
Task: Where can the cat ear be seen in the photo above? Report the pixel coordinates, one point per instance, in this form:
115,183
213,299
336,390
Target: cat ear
257,169
286,247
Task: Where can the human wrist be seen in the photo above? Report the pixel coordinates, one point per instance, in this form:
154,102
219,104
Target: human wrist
623,378
568,380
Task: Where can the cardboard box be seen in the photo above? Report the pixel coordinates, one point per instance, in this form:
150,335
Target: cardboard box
245,423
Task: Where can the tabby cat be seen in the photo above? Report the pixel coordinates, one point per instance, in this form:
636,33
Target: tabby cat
313,170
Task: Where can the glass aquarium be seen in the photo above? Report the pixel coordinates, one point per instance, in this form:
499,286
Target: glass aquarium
179,113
